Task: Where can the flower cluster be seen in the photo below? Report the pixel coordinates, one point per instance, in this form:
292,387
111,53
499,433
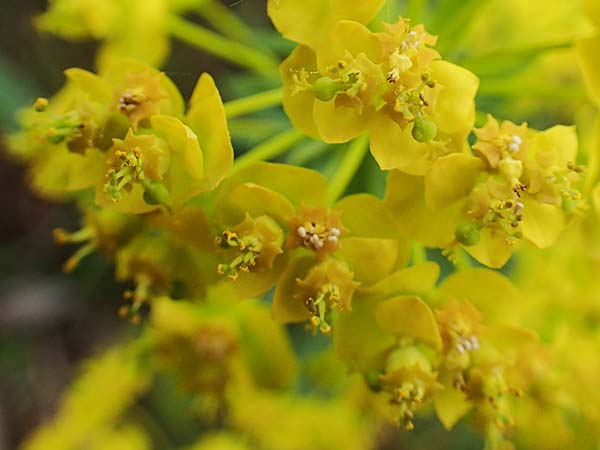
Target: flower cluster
196,234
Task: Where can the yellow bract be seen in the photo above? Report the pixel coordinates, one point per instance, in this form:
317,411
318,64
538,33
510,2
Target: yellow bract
307,22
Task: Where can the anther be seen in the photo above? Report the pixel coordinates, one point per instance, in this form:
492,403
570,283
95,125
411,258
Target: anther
301,231
40,104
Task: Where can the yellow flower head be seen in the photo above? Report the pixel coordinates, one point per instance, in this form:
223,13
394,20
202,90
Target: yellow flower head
521,184
315,292
392,84
134,167
126,127
254,243
409,381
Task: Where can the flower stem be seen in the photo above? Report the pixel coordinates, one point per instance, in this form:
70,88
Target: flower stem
225,20
504,88
463,260
269,149
224,48
348,167
252,103
418,254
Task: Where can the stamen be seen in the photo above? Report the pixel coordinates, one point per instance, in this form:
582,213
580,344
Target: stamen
86,235
327,299
249,250
314,236
125,168
131,100
79,255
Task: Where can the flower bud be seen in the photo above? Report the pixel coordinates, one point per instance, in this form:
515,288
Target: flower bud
325,88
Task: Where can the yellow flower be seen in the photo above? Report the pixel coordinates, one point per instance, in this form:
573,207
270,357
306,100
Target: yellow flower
133,165
125,132
521,184
392,84
390,336
314,291
409,380
254,242
486,354
141,261
333,252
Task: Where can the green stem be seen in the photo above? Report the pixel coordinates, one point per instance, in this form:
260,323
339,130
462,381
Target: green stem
419,254
253,103
269,149
348,167
463,260
500,59
453,25
225,20
222,47
506,88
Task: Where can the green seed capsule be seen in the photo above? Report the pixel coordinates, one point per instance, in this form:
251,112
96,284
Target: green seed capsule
155,193
115,127
373,380
424,129
467,234
325,88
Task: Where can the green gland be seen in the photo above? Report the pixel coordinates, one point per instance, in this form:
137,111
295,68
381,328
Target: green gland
467,234
424,129
326,88
155,193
